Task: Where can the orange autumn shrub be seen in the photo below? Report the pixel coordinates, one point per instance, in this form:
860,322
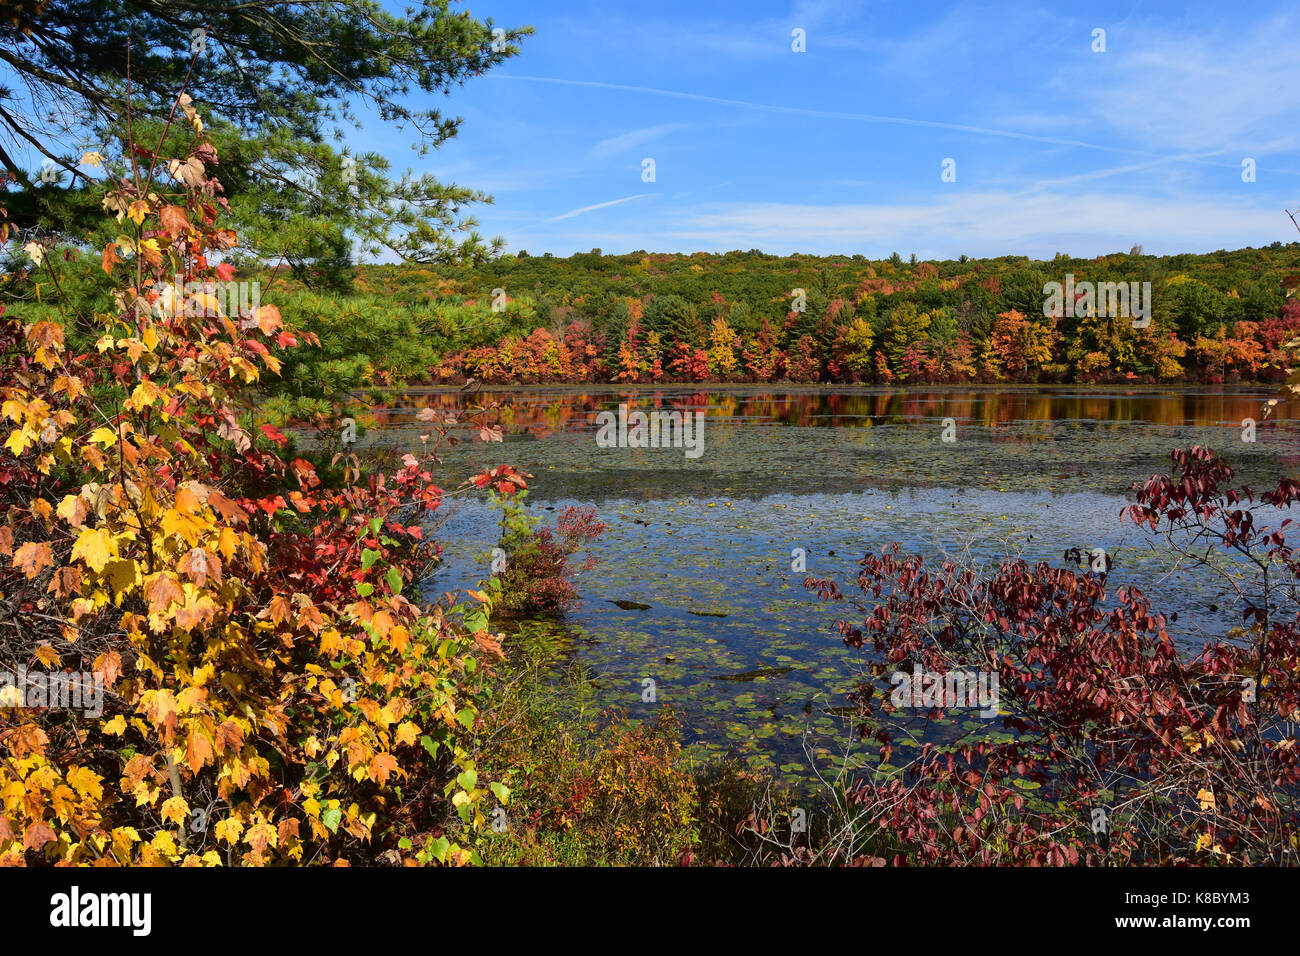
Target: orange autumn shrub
264,690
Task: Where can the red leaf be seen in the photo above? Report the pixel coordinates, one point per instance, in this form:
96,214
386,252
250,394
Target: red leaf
273,433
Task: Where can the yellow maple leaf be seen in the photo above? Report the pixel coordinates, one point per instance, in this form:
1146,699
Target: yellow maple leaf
183,524
164,843
19,439
229,830
121,574
73,510
86,782
175,809
96,547
407,733
116,727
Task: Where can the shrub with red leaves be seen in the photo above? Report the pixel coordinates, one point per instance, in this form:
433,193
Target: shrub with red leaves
1117,745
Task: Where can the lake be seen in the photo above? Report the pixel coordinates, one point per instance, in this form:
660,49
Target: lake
711,544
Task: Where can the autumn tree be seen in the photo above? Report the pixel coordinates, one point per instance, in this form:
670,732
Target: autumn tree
1019,345
905,328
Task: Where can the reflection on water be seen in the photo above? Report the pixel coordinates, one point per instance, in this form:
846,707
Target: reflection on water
543,410
761,441
707,544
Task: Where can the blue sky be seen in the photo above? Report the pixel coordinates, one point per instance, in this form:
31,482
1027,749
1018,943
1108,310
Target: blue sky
839,149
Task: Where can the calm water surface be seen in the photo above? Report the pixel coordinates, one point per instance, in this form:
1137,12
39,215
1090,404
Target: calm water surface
708,544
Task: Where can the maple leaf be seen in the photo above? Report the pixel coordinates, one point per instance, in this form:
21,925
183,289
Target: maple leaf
382,766
268,319
175,809
31,557
279,609
200,564
151,251
115,202
198,750
121,575
109,665
96,547
190,172
73,509
230,737
229,830
407,733
66,582
174,220
275,435
159,708
228,509
37,835
110,257
162,591
19,440
260,836
184,525
86,782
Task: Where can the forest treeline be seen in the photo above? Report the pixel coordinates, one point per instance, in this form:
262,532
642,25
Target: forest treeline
750,317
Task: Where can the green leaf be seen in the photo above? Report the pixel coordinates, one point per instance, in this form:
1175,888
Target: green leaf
368,557
430,745
466,718
476,620
501,790
394,579
331,817
467,778
438,849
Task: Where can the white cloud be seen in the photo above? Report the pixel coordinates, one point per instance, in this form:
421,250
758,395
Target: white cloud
625,141
1192,90
993,223
822,114
600,205
983,224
